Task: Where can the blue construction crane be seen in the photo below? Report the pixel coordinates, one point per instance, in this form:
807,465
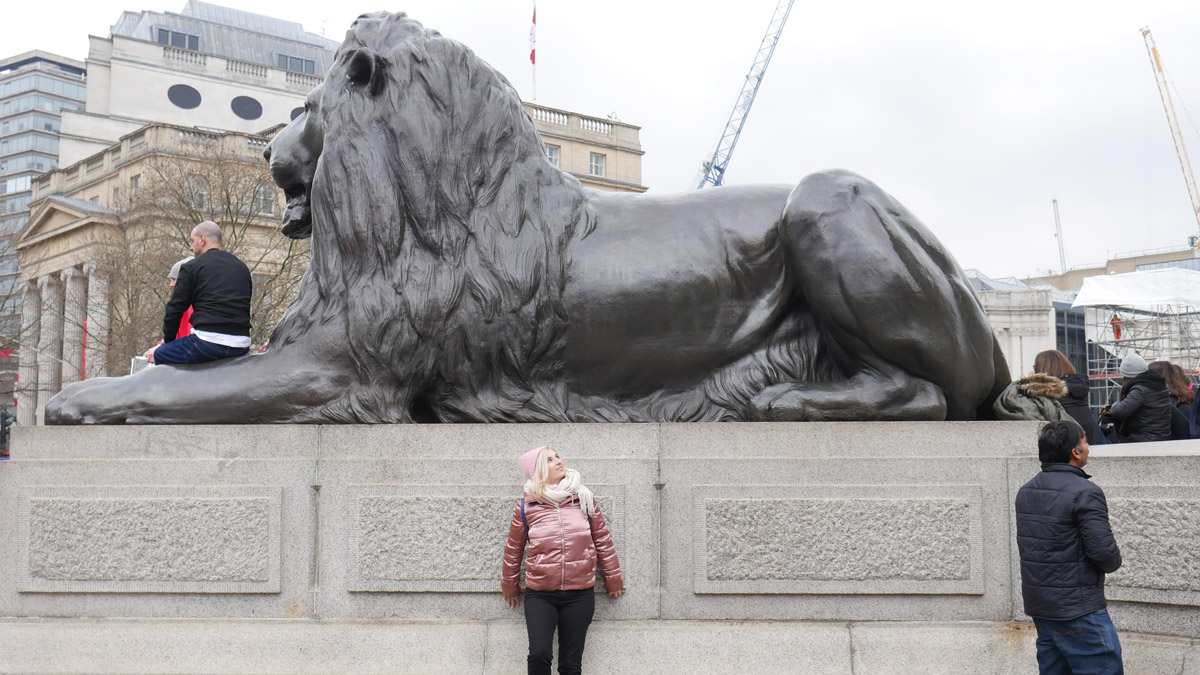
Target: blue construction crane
714,167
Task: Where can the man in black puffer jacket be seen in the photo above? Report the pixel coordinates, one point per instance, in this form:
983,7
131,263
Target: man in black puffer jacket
1066,547
1143,412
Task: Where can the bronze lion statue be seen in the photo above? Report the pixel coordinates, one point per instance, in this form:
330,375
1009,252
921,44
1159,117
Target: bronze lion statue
458,276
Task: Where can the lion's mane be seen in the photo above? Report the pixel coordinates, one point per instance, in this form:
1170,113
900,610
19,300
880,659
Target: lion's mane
439,236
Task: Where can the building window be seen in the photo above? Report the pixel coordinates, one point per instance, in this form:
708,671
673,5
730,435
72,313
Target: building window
178,40
184,96
246,108
552,153
596,164
264,198
95,200
135,183
296,64
296,112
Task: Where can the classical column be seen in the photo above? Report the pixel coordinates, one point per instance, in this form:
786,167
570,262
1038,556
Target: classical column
74,311
31,330
98,321
50,344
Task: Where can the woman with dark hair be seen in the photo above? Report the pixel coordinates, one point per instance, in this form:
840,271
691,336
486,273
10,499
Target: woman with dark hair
1181,395
1178,386
1075,401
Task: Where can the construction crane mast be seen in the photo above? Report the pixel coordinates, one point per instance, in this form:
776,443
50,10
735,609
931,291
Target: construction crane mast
1062,249
1160,76
714,167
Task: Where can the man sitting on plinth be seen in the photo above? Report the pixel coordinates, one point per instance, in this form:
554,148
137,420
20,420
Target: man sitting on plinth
217,286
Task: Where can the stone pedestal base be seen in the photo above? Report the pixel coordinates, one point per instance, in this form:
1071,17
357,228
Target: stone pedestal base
799,548
263,647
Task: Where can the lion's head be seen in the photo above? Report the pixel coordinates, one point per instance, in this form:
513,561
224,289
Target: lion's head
434,212
293,155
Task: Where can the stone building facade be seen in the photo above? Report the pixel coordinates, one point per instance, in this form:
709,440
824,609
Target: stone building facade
206,66
603,154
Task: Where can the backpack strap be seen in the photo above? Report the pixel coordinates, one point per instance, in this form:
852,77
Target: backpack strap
523,520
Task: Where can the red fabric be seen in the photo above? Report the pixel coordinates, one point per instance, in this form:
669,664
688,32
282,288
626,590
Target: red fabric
533,38
564,546
185,324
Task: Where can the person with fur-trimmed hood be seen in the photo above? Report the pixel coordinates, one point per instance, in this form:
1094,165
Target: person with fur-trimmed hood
1075,401
1143,412
1034,397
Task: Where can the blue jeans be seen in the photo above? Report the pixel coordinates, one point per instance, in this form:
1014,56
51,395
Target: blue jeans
1087,645
191,349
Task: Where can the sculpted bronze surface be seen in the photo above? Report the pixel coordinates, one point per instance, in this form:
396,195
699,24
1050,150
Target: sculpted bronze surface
458,276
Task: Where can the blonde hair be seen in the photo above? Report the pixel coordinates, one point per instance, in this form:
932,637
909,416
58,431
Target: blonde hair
541,473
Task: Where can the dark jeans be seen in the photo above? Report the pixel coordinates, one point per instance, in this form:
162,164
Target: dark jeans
191,349
1084,646
571,612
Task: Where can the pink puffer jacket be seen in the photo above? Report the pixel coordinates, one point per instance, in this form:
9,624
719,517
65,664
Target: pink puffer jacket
564,547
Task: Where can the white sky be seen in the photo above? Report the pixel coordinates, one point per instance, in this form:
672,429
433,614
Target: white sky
974,115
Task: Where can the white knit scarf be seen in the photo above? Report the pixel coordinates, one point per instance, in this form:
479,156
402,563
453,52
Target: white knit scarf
571,485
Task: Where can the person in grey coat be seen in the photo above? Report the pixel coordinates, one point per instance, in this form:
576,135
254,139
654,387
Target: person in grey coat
1066,546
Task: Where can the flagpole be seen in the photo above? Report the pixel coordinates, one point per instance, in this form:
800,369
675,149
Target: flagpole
533,49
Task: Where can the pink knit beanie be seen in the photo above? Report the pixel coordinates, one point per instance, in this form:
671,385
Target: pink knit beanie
528,461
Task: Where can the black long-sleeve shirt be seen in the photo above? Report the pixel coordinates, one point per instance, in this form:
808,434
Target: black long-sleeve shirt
218,288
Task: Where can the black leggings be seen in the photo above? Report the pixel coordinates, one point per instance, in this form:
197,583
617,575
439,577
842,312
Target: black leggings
571,612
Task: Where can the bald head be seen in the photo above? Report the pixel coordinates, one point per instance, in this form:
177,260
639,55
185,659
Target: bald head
205,237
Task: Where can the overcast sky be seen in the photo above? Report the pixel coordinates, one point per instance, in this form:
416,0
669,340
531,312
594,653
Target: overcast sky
974,115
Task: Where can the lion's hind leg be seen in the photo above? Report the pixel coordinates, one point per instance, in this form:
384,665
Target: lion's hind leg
897,315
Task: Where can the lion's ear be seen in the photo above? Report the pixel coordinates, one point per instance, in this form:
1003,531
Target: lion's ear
366,70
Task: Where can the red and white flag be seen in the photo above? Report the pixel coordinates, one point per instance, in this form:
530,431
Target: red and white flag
533,38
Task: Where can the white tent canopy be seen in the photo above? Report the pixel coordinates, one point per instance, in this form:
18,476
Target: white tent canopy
1150,290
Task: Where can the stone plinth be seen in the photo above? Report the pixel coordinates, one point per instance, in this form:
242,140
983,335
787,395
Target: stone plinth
861,546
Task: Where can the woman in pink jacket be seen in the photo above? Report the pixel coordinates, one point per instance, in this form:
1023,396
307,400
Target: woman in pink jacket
559,531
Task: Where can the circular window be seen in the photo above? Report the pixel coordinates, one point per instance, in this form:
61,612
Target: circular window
296,112
246,108
184,96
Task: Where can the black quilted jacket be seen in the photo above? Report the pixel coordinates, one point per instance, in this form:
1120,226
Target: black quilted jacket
1144,411
1065,543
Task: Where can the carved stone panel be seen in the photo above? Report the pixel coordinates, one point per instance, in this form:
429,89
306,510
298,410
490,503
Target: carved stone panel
1158,530
838,539
447,538
141,539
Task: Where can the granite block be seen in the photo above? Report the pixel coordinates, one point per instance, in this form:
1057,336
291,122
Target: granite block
932,648
977,487
144,539
197,441
256,647
289,590
822,539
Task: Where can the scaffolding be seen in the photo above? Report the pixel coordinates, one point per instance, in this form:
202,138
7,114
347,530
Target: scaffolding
1166,333
1154,313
